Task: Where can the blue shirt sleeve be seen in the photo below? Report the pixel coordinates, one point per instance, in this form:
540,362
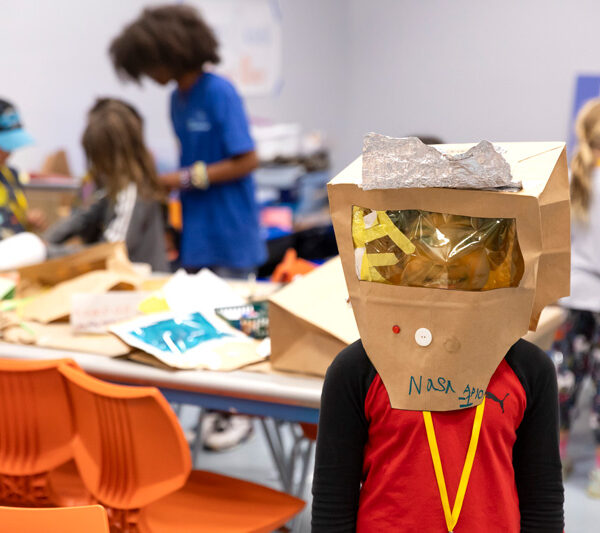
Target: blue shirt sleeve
231,119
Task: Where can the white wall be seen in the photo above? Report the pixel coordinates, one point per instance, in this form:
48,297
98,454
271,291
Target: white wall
55,63
467,70
315,70
464,70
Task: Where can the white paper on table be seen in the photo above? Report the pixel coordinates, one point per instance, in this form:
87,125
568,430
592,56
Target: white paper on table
204,291
93,313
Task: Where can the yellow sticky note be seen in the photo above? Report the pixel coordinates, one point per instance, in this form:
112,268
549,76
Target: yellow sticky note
153,304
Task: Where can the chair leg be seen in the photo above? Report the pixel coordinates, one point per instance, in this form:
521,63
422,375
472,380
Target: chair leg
303,456
196,445
306,456
291,465
275,443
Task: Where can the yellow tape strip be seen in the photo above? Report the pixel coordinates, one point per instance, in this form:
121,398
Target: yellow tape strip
358,227
364,268
383,259
401,240
362,235
375,276
375,232
368,272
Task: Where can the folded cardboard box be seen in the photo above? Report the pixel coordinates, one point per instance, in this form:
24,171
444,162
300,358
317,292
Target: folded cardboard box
104,256
311,321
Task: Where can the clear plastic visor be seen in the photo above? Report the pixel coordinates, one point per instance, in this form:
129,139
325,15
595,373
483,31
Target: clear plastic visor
436,250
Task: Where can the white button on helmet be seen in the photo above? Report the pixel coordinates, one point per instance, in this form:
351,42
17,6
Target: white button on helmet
423,337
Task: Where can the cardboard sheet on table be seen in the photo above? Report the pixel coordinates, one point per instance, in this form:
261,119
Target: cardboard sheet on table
147,359
249,356
104,256
265,367
61,337
55,304
310,321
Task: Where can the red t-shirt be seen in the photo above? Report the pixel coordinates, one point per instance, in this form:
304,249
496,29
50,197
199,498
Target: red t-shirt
515,483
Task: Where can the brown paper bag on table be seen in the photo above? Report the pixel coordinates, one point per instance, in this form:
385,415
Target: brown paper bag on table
310,321
436,349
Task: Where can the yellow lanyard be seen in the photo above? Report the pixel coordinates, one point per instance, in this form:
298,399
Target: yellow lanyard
452,516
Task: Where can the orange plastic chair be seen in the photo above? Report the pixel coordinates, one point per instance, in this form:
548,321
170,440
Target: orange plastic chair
134,459
36,431
290,267
85,519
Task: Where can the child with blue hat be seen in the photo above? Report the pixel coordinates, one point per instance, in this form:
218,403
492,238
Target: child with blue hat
14,216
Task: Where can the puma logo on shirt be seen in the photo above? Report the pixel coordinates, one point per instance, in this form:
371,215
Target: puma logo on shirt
494,398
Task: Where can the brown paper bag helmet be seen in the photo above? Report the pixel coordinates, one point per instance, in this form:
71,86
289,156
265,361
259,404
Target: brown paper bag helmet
436,349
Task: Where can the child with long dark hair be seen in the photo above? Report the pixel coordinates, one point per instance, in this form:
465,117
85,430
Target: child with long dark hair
127,204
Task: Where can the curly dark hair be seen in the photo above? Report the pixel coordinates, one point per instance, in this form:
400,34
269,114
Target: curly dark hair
173,36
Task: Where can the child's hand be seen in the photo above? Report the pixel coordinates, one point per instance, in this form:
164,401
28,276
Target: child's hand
37,219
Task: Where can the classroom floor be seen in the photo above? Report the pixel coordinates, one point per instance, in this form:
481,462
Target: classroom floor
582,514
252,461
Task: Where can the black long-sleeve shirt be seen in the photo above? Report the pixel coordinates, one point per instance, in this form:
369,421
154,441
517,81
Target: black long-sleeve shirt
374,471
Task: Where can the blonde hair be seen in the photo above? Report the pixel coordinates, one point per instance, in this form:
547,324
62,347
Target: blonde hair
587,129
117,155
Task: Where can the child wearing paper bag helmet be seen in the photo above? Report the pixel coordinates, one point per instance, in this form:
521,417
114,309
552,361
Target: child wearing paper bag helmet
440,418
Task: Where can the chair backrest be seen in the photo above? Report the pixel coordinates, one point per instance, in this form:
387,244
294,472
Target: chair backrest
36,427
85,519
129,448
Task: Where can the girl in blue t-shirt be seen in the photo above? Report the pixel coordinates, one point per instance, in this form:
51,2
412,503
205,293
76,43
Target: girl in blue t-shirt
220,215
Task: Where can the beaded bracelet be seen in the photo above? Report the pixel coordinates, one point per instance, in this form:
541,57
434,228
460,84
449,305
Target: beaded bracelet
185,178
